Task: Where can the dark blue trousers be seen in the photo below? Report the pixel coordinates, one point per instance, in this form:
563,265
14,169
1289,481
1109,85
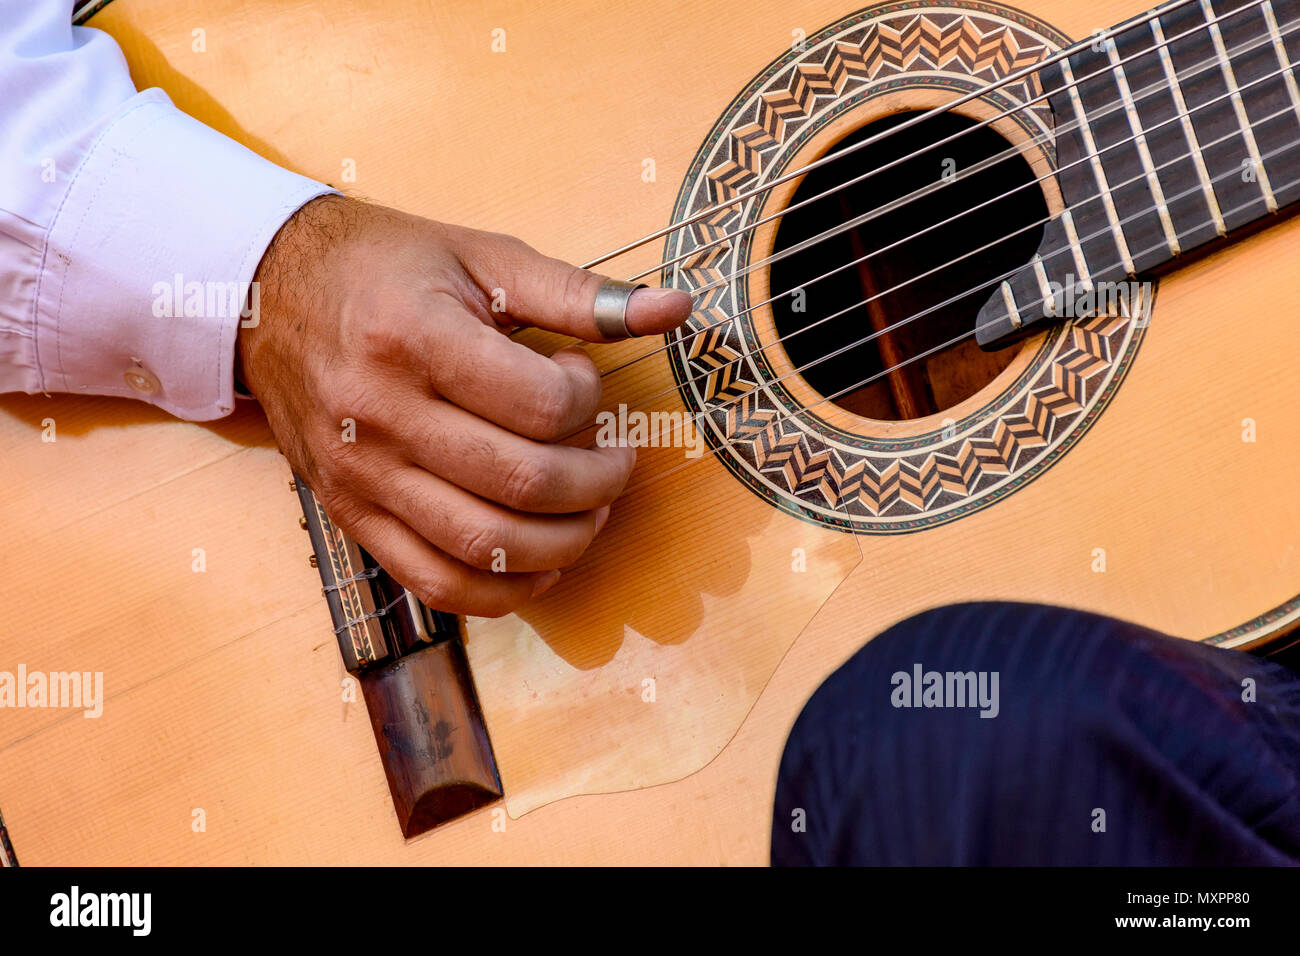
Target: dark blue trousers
1105,744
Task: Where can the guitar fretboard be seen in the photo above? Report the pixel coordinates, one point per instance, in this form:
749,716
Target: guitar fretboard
1173,135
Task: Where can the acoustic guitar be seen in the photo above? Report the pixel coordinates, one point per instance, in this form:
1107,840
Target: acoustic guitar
992,303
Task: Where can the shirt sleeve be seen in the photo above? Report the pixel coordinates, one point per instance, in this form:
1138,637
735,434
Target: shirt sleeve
129,231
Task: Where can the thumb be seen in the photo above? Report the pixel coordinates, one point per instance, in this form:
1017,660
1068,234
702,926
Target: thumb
551,294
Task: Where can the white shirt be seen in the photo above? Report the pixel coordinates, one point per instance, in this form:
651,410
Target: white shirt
111,201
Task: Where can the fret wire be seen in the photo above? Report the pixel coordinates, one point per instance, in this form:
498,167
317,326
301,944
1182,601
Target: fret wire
1239,107
1084,129
1076,248
1140,141
1279,48
1180,104
1044,287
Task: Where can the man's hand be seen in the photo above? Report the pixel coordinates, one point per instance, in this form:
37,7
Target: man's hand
426,433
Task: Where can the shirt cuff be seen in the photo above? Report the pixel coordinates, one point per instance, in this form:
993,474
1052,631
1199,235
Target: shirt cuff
149,262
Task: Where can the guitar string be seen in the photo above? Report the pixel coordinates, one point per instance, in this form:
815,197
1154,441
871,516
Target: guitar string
339,585
953,341
988,163
378,612
808,168
956,339
687,337
922,192
915,358
642,402
991,161
1068,51
998,279
1020,74
904,200
983,165
1077,47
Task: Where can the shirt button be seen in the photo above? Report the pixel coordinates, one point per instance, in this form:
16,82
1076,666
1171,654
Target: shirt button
141,380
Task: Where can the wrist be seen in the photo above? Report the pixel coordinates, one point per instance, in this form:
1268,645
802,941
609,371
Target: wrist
288,280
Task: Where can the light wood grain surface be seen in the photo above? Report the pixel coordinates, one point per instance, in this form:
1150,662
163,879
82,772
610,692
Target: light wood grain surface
223,687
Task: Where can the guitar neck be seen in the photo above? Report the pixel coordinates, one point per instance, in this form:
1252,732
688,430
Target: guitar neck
1179,133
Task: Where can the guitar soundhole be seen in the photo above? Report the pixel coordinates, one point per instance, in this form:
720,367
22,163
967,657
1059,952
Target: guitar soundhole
923,278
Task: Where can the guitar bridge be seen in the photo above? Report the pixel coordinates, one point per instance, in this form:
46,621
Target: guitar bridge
410,663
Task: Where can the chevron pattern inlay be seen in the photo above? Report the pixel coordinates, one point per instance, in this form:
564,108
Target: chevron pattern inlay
788,454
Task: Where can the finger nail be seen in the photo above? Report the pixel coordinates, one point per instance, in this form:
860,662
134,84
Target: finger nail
601,517
658,299
545,582
658,310
658,295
